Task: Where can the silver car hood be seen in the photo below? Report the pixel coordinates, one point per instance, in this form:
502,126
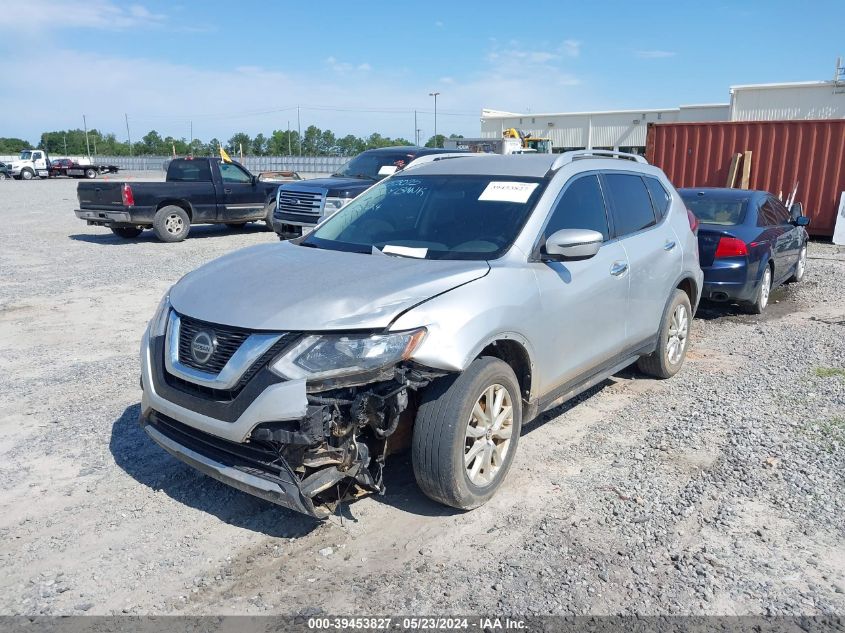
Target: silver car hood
288,287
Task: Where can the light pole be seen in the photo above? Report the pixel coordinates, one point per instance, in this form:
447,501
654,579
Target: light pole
434,94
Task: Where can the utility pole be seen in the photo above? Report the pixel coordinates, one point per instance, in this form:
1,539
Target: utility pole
434,94
299,129
65,135
85,125
128,136
290,151
192,132
416,131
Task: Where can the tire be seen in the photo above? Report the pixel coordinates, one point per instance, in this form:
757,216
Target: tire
171,224
3,175
672,339
268,219
762,298
800,267
26,174
441,439
90,173
127,232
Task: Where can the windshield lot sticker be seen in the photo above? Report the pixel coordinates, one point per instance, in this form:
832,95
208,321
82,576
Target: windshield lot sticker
406,251
498,191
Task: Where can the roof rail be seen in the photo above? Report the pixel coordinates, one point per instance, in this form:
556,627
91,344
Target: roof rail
568,157
432,158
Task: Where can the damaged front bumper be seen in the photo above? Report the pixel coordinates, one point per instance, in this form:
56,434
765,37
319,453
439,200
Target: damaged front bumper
272,439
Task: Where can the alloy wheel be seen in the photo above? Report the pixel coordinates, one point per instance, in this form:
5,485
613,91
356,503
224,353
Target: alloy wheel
678,331
174,224
802,263
488,435
765,287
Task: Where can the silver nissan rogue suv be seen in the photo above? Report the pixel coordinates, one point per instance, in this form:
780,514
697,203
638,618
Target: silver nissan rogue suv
438,310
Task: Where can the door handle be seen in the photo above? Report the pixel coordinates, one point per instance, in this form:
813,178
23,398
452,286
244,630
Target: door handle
669,245
227,191
618,268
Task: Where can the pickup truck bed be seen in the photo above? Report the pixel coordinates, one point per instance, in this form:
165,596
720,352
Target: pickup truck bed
197,191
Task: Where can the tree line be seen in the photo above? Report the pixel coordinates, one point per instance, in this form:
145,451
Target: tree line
314,142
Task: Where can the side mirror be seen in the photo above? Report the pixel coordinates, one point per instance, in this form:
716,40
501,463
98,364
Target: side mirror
573,244
801,220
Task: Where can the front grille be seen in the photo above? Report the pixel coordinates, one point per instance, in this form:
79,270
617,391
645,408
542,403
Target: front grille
229,339
304,202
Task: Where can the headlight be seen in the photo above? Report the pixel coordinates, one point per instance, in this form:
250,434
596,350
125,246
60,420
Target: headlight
333,204
325,356
158,324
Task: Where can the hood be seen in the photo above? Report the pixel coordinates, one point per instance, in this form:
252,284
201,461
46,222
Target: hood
339,186
288,287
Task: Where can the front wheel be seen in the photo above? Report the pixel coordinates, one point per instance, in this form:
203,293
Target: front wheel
127,232
27,174
3,175
672,339
800,267
171,224
466,434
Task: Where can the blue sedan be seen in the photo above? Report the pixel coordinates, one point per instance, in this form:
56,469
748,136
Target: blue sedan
748,243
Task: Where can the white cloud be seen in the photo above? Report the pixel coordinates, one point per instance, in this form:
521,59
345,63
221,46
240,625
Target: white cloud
654,54
344,67
571,48
43,15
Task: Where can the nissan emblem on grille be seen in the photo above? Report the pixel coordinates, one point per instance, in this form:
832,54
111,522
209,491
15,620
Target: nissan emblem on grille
203,346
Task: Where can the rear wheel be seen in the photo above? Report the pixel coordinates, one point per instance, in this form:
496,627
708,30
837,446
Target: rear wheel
466,434
800,267
3,175
171,224
762,299
127,232
672,339
90,173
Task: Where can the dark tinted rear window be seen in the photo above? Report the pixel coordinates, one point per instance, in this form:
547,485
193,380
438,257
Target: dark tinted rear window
189,171
722,211
632,209
659,196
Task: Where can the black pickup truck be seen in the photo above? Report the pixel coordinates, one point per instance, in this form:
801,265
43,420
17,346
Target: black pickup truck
196,191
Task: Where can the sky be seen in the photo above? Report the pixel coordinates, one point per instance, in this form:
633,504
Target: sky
219,67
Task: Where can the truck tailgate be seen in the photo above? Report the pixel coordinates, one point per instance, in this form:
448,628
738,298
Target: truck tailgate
99,195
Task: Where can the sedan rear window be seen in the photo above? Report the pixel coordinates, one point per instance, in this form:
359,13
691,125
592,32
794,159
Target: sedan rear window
724,212
433,217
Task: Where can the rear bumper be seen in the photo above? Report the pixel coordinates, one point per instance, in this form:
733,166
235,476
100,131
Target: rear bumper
105,218
734,279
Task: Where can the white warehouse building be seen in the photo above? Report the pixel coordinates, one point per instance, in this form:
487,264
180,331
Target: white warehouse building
616,129
626,130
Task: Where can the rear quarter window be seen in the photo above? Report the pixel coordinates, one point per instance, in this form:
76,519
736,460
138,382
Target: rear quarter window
659,196
632,210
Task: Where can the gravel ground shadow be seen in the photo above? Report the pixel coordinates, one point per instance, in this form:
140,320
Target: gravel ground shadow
154,468
197,232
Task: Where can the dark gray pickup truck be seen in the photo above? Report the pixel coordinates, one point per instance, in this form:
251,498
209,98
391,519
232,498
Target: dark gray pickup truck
196,191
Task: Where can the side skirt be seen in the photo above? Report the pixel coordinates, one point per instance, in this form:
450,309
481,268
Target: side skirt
569,390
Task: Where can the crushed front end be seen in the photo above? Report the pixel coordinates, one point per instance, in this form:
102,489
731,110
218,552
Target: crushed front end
245,408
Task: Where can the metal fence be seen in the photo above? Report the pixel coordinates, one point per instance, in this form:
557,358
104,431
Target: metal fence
301,164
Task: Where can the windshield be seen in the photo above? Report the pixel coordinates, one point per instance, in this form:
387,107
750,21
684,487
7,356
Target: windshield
26,155
375,166
433,217
725,212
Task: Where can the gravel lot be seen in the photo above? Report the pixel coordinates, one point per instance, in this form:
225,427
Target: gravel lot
717,492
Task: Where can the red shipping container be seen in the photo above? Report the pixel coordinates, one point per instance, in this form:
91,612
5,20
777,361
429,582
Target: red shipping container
810,153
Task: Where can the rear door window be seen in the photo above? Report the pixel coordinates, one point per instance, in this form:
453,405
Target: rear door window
767,215
632,210
580,207
781,213
659,196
